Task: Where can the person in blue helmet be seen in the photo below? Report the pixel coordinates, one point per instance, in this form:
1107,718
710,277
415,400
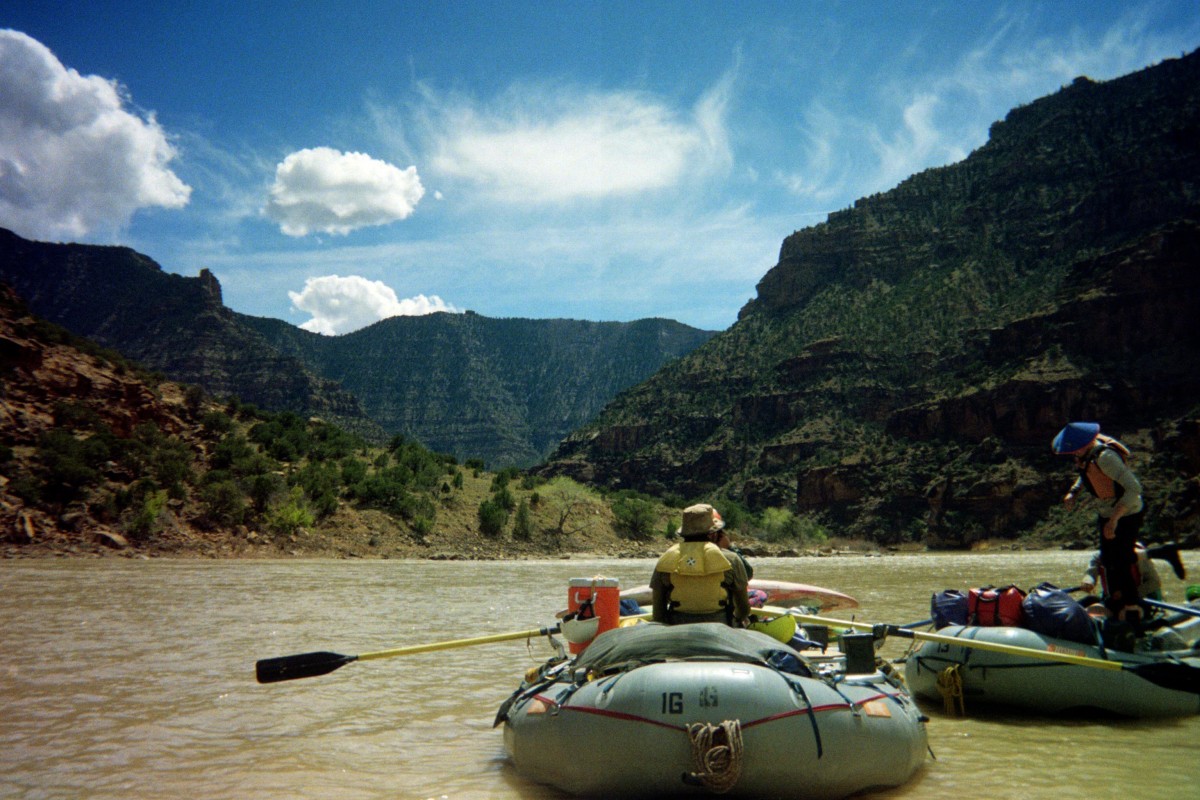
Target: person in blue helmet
1102,464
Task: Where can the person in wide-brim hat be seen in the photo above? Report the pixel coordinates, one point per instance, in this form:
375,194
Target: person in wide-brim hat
700,520
697,580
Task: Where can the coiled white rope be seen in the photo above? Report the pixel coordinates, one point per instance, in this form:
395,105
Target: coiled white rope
716,754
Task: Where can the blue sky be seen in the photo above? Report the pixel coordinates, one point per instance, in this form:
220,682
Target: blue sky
336,163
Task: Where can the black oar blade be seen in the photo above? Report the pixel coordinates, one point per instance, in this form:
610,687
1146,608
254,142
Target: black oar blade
1171,675
305,665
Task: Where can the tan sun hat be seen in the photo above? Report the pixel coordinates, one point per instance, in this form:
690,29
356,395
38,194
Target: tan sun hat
700,520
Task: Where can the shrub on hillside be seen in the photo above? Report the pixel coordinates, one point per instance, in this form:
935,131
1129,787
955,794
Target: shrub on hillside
224,503
780,524
635,518
290,515
523,522
147,519
68,465
492,518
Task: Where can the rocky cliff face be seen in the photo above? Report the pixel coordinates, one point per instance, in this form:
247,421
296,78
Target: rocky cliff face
178,326
504,390
1077,172
903,368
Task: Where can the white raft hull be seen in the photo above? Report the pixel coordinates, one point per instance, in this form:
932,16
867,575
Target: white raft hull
1012,681
626,735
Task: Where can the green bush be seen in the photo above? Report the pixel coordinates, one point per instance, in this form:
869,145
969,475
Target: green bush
492,518
68,465
635,518
736,515
505,499
69,414
780,524
224,502
216,423
329,442
422,526
321,481
290,515
502,478
354,470
193,399
523,522
147,520
237,455
28,488
263,488
171,464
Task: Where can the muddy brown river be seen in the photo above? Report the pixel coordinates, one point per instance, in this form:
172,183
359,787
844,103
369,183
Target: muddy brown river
135,679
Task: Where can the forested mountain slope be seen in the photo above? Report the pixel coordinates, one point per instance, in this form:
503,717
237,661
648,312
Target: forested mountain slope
904,366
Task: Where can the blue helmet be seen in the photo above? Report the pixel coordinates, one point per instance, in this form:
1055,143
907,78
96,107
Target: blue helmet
1075,437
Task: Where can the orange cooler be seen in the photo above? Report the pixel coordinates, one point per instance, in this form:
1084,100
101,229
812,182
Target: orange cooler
605,594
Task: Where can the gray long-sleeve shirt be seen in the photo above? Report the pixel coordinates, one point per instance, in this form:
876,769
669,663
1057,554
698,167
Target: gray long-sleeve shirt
1112,465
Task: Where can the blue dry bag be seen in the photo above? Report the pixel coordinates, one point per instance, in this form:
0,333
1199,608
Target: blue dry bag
948,607
1052,612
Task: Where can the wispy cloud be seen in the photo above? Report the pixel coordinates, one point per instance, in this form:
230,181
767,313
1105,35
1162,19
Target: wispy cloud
73,158
542,145
922,118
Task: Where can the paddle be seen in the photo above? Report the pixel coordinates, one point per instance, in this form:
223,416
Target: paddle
310,665
1185,610
1169,674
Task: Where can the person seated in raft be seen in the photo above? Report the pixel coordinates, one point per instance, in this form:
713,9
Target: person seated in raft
1150,584
725,543
698,581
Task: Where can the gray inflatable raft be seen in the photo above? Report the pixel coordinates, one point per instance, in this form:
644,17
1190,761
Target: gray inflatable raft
1161,678
652,710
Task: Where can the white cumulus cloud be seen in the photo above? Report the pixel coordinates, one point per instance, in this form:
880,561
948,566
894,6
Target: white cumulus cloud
72,158
328,191
344,304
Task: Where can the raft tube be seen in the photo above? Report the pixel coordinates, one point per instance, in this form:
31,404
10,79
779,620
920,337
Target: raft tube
772,724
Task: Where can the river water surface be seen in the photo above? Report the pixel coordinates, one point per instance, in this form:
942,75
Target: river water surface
135,679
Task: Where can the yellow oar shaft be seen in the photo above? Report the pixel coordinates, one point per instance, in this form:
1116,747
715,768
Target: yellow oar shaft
456,643
957,641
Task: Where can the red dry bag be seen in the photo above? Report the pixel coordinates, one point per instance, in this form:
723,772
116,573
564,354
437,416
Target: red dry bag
995,606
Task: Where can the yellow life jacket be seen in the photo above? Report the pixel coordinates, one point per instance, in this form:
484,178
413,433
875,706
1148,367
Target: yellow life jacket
697,571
